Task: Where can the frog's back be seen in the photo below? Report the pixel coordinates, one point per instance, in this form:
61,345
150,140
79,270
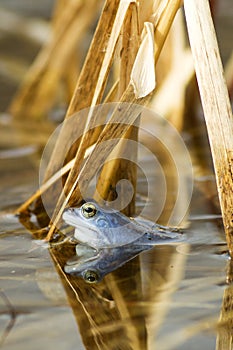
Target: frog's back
115,230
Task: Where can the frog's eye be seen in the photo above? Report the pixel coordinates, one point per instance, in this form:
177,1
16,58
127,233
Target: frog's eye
91,276
88,210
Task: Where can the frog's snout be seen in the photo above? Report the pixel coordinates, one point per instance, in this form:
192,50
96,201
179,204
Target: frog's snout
69,212
70,216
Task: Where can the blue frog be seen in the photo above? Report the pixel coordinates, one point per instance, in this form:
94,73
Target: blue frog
107,239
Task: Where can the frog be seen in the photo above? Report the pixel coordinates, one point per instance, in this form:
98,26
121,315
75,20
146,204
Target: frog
106,239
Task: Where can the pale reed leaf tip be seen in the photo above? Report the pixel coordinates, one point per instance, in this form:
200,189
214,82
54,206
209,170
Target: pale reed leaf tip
143,72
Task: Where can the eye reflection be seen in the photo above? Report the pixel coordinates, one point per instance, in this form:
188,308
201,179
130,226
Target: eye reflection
91,276
88,210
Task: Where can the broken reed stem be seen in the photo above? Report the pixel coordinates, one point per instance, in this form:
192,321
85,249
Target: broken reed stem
215,102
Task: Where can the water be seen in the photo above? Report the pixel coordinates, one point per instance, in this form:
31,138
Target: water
26,306
172,297
179,293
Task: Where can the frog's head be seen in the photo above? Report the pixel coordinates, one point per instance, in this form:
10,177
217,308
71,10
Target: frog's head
101,227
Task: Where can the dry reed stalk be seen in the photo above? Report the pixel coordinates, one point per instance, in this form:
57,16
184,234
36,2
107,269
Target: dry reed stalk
58,10
123,120
113,131
164,23
37,92
133,332
93,77
85,91
215,102
118,168
169,100
66,168
71,74
97,66
122,167
89,91
229,75
166,57
224,336
85,94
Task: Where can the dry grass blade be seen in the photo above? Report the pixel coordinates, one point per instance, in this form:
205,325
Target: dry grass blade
215,101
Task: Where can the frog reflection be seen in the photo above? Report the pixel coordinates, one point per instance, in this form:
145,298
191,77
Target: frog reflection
108,239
